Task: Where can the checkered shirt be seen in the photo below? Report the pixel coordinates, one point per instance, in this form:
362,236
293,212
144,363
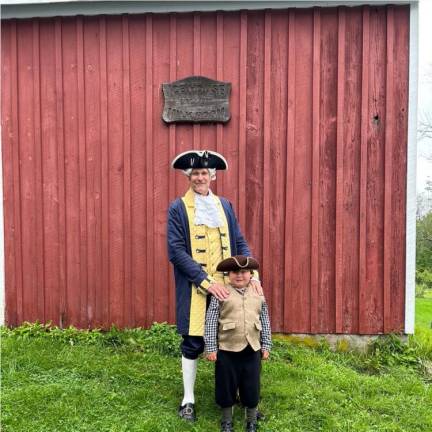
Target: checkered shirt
211,326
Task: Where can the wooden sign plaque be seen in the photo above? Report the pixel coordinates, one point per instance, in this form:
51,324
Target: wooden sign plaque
196,99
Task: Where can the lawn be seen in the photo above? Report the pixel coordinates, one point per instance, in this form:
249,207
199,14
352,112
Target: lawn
130,381
424,312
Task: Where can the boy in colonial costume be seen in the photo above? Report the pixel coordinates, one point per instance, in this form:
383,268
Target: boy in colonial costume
202,231
237,336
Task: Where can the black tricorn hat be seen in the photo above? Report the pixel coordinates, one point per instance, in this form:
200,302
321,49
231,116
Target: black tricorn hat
199,159
237,262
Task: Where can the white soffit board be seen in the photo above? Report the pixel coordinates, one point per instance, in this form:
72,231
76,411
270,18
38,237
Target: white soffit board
45,8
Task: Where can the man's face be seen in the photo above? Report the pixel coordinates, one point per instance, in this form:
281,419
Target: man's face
240,278
200,181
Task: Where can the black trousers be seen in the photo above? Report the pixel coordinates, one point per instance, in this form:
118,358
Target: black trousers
192,346
238,371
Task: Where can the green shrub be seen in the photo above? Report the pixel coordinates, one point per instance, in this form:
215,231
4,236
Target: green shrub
424,278
420,290
161,337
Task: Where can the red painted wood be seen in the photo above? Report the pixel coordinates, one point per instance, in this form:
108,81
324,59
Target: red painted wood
373,301
93,166
340,127
116,167
363,169
317,182
351,166
326,318
137,33
104,294
388,167
49,122
71,185
267,227
184,62
289,298
230,136
9,143
255,132
172,153
400,92
149,170
196,43
128,307
28,168
161,164
242,117
218,188
302,177
40,276
315,171
61,175
82,179
277,153
208,67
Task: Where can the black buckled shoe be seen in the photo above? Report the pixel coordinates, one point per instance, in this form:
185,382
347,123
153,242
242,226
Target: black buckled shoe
251,427
227,426
187,412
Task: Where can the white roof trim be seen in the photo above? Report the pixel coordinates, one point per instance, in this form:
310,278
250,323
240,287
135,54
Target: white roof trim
411,176
46,8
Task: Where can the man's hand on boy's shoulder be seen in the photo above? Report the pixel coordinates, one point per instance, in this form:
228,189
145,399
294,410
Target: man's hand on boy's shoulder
265,355
211,356
218,290
256,286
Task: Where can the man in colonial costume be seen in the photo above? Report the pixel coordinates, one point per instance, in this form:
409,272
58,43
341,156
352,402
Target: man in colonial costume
202,231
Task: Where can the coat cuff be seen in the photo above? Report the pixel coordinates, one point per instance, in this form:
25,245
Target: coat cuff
205,283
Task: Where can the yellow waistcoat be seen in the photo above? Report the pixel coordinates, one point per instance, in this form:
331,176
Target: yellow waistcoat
209,247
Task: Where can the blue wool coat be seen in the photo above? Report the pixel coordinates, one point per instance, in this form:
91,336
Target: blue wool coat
186,270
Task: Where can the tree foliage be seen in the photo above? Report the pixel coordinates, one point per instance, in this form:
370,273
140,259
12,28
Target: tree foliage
424,253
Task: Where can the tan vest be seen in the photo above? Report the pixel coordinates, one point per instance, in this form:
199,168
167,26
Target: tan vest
239,320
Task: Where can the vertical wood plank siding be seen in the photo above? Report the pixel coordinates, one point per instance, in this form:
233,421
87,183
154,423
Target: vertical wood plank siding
317,148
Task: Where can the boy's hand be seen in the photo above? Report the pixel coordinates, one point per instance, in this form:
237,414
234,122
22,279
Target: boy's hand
256,286
211,356
265,355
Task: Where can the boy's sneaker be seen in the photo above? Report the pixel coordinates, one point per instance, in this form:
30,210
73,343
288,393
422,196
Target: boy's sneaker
251,427
187,412
227,426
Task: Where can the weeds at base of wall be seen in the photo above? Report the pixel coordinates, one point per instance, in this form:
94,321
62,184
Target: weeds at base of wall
382,354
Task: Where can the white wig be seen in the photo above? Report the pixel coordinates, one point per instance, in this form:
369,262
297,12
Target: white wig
212,172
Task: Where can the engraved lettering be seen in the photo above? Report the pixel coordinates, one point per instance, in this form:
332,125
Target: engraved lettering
196,99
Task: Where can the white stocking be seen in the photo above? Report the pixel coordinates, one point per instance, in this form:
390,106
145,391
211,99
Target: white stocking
189,368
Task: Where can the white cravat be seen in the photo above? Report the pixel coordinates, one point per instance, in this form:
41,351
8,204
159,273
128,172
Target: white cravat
206,211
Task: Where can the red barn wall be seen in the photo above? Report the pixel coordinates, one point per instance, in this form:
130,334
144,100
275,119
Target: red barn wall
317,148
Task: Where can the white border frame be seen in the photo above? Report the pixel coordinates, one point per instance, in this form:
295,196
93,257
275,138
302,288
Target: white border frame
411,196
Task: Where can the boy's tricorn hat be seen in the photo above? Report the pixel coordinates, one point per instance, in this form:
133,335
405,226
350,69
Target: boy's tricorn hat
237,262
199,159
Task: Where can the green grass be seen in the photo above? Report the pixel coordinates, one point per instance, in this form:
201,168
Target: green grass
423,330
424,312
131,381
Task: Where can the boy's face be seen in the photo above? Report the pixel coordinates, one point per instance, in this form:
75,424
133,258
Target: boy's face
240,278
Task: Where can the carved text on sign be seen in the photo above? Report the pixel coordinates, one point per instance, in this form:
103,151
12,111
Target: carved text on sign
196,99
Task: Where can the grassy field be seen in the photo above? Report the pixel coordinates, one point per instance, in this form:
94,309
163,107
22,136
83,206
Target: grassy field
130,381
424,312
